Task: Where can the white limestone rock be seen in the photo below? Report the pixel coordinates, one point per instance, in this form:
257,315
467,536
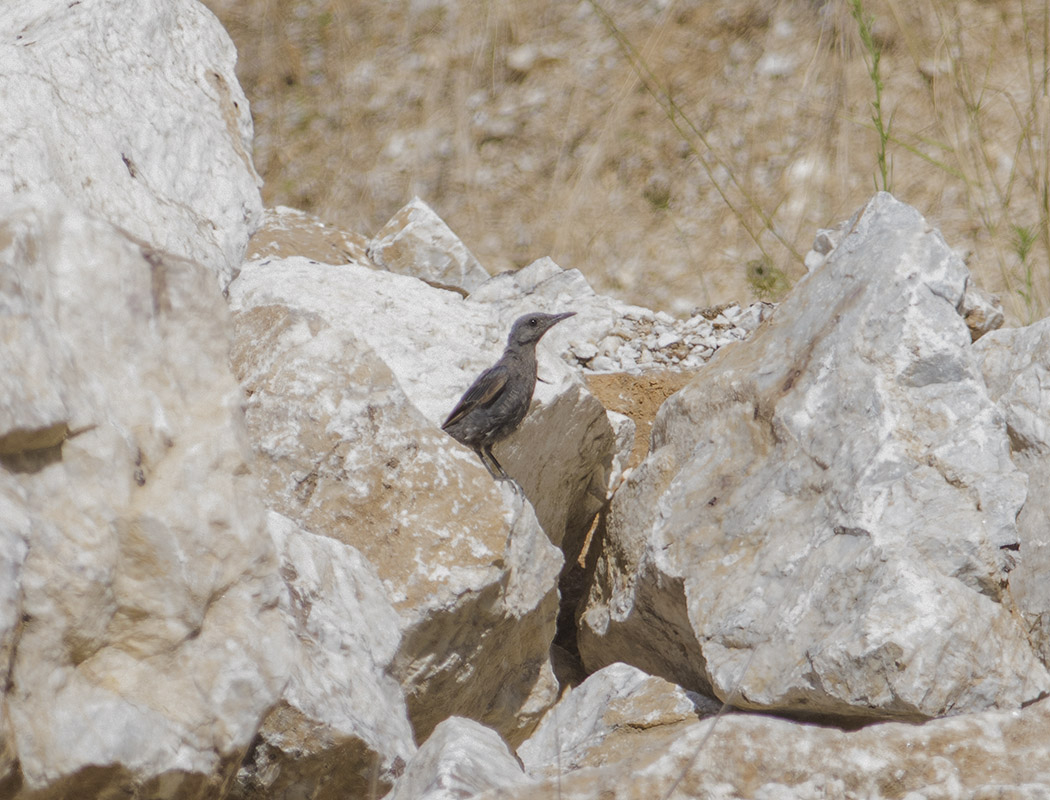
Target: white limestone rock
1016,366
417,242
624,427
14,546
143,125
826,240
599,721
996,754
461,759
344,405
826,522
140,627
341,724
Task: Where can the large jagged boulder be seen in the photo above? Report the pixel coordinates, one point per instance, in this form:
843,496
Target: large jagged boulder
461,759
417,242
344,401
143,641
146,128
599,721
826,523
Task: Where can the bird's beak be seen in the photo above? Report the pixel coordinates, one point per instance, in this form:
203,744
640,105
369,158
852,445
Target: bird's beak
559,317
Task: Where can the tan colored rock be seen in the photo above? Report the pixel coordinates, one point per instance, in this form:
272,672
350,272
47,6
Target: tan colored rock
981,310
826,522
287,232
567,499
146,642
343,450
601,721
417,242
562,455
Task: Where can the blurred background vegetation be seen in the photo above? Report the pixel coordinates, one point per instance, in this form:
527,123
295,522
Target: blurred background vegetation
680,154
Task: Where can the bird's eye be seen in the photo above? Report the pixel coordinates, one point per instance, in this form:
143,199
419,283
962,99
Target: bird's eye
534,322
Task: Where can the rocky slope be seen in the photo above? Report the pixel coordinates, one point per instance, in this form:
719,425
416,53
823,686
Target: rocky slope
240,559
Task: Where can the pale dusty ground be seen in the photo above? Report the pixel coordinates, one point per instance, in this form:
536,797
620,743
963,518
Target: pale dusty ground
528,130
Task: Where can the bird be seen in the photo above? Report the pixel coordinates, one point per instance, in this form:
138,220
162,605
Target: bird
498,400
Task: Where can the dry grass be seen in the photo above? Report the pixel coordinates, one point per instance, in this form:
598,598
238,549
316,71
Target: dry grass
529,129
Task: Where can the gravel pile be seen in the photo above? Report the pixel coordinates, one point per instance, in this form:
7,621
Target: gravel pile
644,339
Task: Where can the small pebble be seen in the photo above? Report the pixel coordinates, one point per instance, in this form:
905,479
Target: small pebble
584,351
668,339
814,260
644,339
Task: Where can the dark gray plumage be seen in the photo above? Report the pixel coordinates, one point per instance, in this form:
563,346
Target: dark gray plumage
496,403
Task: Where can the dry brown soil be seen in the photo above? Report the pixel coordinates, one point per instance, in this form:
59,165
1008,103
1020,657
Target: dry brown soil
530,131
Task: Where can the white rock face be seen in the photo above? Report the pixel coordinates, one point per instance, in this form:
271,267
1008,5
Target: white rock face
1016,366
143,125
417,242
993,754
140,591
345,398
599,721
341,725
826,522
460,759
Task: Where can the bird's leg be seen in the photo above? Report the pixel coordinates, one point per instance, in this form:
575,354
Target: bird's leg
503,476
488,466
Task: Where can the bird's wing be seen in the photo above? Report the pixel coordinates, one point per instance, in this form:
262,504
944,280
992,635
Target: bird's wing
483,392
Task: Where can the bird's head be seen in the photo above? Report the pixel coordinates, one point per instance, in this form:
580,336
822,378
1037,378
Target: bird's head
530,328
